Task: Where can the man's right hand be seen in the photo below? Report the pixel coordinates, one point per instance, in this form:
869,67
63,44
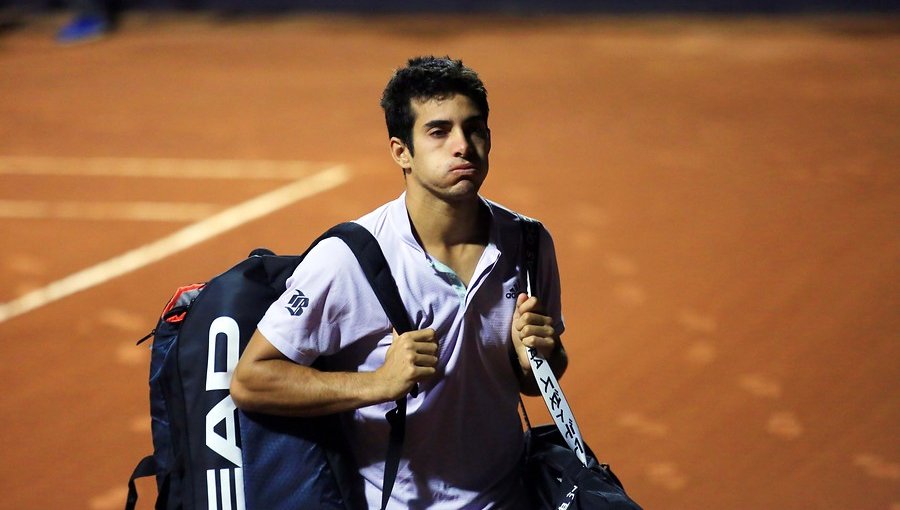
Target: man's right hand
266,381
412,357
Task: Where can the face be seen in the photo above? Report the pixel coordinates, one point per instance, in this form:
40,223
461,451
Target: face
452,142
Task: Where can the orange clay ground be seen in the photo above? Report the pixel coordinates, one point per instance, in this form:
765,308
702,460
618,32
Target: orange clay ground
724,196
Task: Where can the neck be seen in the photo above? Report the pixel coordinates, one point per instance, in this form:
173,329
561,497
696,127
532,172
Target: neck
441,223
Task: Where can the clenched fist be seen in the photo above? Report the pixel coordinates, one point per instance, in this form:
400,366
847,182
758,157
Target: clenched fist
412,357
531,328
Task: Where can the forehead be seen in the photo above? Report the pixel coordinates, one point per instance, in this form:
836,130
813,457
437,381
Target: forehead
455,107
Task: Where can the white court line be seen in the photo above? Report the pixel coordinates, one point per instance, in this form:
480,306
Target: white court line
162,168
128,211
191,235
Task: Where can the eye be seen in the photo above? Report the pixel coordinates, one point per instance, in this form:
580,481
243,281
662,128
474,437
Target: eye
478,129
437,133
480,133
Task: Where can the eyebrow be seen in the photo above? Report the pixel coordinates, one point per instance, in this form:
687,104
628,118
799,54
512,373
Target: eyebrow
436,123
444,122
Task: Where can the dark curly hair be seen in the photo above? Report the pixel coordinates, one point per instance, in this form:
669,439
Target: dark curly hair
426,78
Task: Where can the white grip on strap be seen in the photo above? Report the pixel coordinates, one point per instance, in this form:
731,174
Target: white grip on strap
555,399
556,403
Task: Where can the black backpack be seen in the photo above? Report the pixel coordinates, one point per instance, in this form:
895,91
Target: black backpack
208,454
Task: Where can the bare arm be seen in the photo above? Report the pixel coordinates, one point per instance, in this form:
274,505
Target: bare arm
530,328
267,381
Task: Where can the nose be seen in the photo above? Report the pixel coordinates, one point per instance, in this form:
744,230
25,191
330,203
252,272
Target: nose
460,143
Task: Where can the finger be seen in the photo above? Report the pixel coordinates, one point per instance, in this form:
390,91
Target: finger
522,307
540,330
426,347
536,318
530,305
538,342
429,342
543,345
537,322
419,335
426,360
422,373
520,299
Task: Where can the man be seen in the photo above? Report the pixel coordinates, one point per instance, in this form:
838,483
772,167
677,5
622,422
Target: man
455,257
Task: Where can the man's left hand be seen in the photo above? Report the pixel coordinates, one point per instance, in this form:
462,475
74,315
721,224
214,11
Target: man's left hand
531,328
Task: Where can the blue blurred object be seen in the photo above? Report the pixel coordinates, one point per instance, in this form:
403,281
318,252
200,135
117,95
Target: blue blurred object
83,28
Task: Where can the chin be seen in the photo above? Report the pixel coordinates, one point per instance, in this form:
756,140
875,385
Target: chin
458,194
462,199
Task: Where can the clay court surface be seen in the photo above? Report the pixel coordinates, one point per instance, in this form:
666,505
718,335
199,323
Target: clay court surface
724,195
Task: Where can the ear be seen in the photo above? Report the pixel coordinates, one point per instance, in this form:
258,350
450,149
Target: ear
400,153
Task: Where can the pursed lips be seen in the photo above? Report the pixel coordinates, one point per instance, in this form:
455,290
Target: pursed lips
463,168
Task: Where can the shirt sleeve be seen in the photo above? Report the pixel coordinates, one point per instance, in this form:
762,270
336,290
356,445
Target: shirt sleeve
308,320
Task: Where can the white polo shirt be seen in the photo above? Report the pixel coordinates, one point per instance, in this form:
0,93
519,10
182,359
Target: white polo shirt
463,434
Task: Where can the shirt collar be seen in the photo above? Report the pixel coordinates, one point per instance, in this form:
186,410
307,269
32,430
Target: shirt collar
399,217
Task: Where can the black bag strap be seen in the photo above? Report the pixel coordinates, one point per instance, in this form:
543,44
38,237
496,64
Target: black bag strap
371,258
531,232
555,400
146,467
531,238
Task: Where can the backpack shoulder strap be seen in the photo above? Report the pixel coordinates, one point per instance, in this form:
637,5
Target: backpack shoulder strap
368,252
554,398
371,258
531,236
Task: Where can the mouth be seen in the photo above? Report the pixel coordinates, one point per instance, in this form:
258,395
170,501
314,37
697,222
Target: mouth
465,168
